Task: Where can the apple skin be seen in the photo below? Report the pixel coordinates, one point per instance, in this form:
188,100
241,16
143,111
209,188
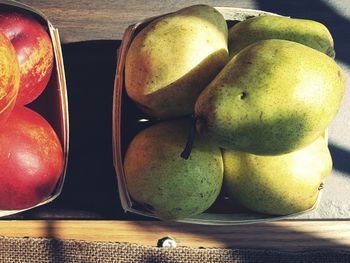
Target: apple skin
31,160
34,52
9,77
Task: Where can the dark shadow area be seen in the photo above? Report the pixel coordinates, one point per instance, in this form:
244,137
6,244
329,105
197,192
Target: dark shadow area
340,158
55,250
90,182
319,11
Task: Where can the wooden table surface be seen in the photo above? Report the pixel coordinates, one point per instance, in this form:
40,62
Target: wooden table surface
107,19
282,235
91,32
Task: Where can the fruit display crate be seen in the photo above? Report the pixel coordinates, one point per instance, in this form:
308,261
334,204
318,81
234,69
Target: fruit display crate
129,120
52,104
89,52
91,36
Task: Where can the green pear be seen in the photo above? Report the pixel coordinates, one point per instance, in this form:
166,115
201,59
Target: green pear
307,32
278,185
274,97
173,59
163,182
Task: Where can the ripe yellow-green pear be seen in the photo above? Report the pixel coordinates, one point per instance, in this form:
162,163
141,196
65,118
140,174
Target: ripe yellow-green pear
173,58
278,185
307,32
274,97
163,182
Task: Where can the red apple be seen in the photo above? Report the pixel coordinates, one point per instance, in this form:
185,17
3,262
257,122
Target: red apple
34,52
9,77
31,160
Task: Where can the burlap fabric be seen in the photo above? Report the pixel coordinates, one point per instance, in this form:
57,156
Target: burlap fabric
50,250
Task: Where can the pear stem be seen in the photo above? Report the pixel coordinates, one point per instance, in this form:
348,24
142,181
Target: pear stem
190,139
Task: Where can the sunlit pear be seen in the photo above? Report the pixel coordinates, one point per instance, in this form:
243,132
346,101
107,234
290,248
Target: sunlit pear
273,97
173,58
307,32
165,184
279,185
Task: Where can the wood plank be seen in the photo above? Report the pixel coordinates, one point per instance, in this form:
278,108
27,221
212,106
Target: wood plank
281,235
107,19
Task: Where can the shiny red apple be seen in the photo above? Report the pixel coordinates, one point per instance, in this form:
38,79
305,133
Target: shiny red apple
31,160
9,77
34,52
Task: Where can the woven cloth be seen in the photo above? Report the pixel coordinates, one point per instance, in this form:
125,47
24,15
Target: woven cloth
50,250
